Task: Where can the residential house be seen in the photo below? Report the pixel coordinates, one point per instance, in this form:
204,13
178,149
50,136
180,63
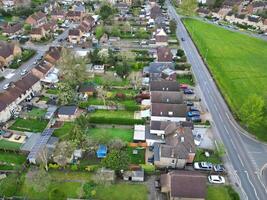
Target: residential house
184,185
24,88
161,37
50,6
53,54
164,86
256,6
37,19
74,16
78,7
87,89
134,175
158,127
37,33
50,27
67,113
8,51
168,112
156,68
128,2
164,54
101,151
8,3
87,24
155,12
74,36
58,15
168,97
169,74
179,148
12,29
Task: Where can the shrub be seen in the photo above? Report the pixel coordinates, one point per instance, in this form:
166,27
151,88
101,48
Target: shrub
149,169
182,66
182,59
91,168
122,121
232,193
74,167
53,166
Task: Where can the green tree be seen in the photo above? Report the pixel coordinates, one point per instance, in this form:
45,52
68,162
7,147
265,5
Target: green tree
66,94
105,12
173,26
180,53
123,69
39,179
252,110
188,7
116,160
99,32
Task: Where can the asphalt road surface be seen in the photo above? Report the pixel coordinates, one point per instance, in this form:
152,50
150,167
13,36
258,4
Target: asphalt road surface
243,152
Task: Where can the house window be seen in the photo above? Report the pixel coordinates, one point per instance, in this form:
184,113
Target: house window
173,161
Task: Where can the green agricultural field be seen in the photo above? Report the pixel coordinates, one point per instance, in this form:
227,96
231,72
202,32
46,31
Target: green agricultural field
107,134
29,125
238,63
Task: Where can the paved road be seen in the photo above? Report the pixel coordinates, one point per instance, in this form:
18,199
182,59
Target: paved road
40,51
242,151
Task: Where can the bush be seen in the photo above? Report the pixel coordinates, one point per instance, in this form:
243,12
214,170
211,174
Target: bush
53,166
131,107
182,59
74,167
182,66
232,193
122,121
149,169
180,53
91,168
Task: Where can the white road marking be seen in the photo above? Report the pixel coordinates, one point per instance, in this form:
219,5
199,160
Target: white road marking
251,185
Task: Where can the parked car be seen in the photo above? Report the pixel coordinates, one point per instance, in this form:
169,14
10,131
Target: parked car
195,119
23,72
182,39
188,91
219,168
6,86
17,137
189,103
192,108
216,179
203,166
151,160
193,113
197,139
157,184
183,86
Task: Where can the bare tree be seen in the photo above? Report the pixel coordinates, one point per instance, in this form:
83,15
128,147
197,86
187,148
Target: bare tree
43,155
102,94
63,153
135,79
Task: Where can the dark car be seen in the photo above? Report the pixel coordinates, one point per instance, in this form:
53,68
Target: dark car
182,39
192,108
151,160
219,168
195,119
193,113
188,91
189,103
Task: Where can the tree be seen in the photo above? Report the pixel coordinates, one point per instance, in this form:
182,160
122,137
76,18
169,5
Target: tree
180,53
126,27
99,32
43,155
72,69
105,12
63,152
122,69
102,94
188,7
39,179
252,110
135,78
67,93
116,144
161,2
116,160
173,26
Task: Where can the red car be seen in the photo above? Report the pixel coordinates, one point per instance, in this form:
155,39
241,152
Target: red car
183,86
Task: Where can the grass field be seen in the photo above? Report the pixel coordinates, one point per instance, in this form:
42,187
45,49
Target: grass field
11,160
138,158
64,130
237,62
113,114
221,193
36,113
200,157
29,125
108,134
4,144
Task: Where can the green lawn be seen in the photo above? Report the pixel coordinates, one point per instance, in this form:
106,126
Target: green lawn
100,80
122,192
64,130
107,134
4,144
52,91
11,160
36,113
221,193
186,79
237,62
200,156
29,125
138,158
113,114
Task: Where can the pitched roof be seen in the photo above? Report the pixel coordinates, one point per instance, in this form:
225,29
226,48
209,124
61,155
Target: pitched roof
54,52
37,16
185,184
12,28
67,110
74,32
166,97
74,13
163,85
164,54
37,31
6,49
168,110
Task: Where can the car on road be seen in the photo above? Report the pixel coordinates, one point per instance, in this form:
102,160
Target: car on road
189,103
182,39
195,119
218,168
6,86
193,113
216,179
188,91
203,166
23,72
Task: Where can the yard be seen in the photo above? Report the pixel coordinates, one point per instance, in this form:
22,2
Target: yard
107,134
200,157
9,161
29,125
36,113
221,193
64,130
237,62
139,157
4,144
186,79
116,81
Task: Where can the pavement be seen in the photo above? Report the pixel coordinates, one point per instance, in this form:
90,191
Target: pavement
244,155
40,51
